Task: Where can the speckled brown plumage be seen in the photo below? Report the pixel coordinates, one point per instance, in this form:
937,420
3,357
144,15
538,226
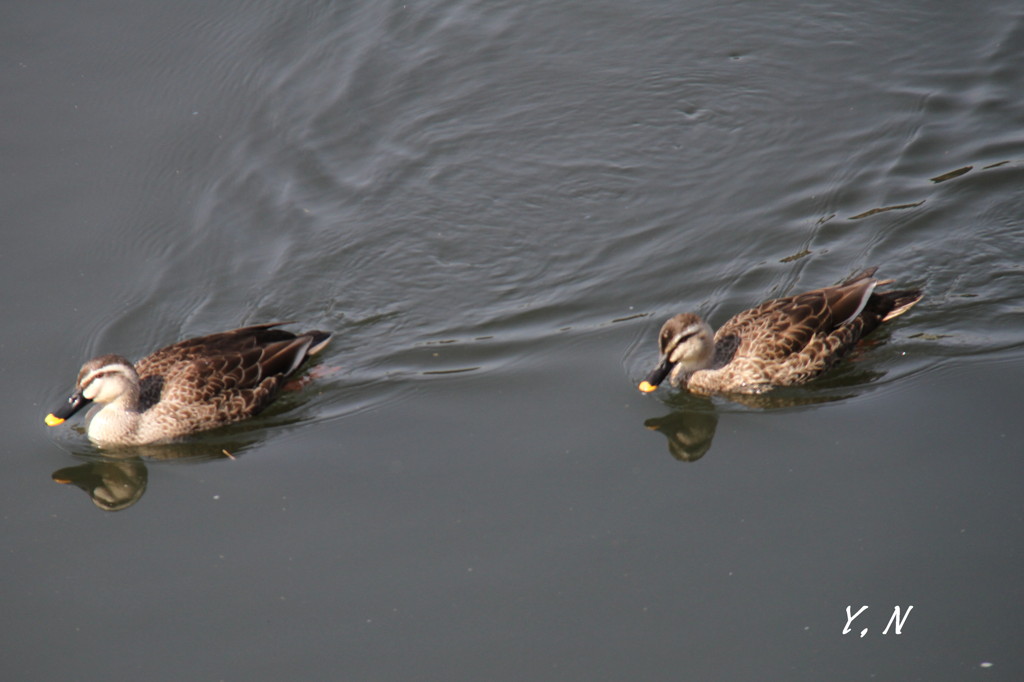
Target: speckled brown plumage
190,386
781,342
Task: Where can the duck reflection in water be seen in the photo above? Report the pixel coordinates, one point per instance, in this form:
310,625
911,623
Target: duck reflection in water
689,434
117,480
111,485
690,427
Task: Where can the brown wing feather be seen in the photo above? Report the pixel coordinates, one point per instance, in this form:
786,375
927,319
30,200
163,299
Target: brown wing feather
211,345
220,378
778,328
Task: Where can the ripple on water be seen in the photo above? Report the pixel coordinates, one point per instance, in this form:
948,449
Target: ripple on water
419,180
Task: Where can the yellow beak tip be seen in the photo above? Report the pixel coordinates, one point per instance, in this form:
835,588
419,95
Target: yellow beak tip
646,386
52,420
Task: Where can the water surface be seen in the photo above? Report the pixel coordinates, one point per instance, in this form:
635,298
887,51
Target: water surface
495,206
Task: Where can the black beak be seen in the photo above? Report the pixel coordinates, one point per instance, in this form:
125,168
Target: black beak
657,375
74,404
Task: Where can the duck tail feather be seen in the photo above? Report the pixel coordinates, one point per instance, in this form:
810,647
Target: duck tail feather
901,301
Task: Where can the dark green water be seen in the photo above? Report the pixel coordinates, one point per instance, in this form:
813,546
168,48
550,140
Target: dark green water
494,206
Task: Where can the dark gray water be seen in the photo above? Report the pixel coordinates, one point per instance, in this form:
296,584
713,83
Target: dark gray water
494,206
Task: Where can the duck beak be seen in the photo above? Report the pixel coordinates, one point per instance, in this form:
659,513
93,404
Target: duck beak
76,402
657,375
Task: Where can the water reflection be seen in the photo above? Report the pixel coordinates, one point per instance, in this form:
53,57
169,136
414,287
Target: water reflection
689,434
116,480
111,485
690,427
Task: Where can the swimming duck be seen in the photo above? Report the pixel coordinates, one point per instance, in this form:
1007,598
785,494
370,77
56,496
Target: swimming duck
190,386
782,342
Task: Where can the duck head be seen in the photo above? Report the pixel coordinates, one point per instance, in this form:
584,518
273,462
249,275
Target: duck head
102,380
687,344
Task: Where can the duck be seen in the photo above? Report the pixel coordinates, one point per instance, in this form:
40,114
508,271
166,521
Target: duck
782,342
187,387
